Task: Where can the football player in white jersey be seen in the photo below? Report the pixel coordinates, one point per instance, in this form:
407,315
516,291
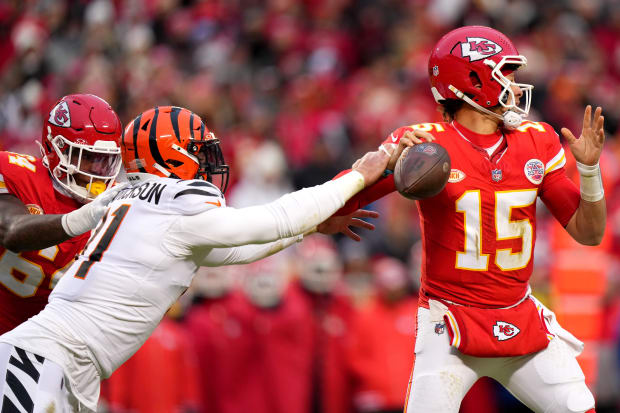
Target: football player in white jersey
143,255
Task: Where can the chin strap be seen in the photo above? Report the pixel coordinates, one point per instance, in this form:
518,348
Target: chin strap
512,120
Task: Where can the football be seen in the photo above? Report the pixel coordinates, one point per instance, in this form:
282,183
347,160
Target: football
422,171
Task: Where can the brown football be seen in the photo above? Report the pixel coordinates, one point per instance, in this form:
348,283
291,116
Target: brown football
422,171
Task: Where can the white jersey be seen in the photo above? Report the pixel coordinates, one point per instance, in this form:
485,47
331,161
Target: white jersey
143,256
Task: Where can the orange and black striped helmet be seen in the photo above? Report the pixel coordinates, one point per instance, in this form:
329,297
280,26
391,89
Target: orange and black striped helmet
173,142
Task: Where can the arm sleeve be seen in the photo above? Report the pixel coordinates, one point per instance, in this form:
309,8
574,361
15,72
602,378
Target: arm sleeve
560,195
291,215
368,195
558,192
246,253
380,188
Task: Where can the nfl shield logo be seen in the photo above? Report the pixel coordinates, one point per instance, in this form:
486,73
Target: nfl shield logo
435,70
496,174
440,328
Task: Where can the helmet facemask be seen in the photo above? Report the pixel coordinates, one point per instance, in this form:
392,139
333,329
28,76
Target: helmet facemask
83,170
507,97
210,159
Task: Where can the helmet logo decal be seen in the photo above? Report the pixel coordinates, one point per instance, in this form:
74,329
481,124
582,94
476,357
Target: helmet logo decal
478,48
60,115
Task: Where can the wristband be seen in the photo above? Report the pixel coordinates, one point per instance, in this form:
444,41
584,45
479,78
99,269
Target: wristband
382,148
591,183
65,226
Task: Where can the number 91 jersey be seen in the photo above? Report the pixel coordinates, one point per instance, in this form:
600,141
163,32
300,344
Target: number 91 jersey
27,278
479,232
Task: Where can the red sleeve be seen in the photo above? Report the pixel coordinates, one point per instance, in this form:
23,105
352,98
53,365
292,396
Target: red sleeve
558,192
560,195
367,195
380,188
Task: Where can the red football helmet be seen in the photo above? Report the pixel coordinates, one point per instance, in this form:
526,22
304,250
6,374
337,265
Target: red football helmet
80,145
169,141
473,55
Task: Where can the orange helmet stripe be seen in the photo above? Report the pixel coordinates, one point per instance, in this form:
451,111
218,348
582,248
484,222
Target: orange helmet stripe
153,141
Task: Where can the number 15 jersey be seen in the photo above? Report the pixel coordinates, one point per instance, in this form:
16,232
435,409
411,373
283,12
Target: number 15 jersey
479,232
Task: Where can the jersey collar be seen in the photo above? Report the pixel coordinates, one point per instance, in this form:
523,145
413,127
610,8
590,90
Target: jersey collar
480,140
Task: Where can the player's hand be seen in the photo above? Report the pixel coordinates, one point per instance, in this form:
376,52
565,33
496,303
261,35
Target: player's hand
587,149
409,138
371,166
342,224
87,216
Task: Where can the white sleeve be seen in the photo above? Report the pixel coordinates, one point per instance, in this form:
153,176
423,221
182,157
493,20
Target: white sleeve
291,215
246,253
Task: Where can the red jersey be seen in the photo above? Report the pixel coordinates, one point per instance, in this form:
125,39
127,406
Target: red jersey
479,233
27,278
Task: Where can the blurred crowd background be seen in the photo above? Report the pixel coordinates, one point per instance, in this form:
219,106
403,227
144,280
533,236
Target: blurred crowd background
296,90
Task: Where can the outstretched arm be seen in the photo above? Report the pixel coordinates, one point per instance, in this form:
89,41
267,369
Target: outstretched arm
385,185
292,215
253,252
247,253
21,231
587,225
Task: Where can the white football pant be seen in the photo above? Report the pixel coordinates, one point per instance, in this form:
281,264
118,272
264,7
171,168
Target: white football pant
549,381
30,383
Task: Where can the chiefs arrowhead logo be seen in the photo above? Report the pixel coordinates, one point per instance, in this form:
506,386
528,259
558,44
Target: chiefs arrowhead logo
505,331
478,48
60,115
34,209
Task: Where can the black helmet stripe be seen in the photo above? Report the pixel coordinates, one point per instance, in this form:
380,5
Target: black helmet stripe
153,141
202,131
174,118
136,128
191,124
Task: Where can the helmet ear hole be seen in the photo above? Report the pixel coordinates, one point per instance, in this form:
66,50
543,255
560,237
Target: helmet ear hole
475,80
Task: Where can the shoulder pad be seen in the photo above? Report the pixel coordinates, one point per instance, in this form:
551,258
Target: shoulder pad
190,197
536,128
18,169
547,142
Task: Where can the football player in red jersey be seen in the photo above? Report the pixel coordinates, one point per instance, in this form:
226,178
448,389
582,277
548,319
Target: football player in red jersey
476,316
45,204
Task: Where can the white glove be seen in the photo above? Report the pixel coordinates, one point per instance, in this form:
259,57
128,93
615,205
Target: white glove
86,217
